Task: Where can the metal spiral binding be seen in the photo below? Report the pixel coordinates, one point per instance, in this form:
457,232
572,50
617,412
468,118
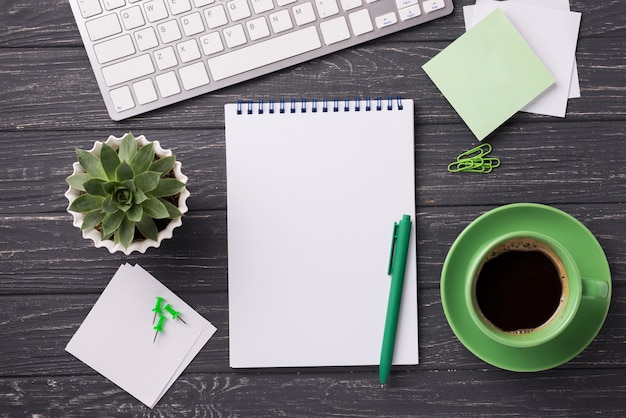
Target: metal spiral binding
301,105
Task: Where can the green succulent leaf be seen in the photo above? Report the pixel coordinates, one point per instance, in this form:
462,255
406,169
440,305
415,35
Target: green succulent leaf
135,213
109,205
124,172
140,197
142,160
154,208
91,164
147,180
86,203
163,165
109,186
126,232
167,187
92,219
130,185
94,187
128,148
172,210
78,180
110,161
111,222
147,227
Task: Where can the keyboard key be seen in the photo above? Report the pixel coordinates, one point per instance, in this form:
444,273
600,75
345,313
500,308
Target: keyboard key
387,19
122,99
257,28
361,22
215,17
264,53
145,91
326,8
261,6
335,30
146,39
132,17
234,36
192,24
124,71
352,4
188,50
168,84
409,12
303,13
89,8
405,3
169,31
211,43
179,6
193,76
285,2
155,10
432,5
200,3
113,49
113,4
165,58
103,27
238,9
280,21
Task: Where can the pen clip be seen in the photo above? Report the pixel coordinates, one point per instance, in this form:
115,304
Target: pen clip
394,238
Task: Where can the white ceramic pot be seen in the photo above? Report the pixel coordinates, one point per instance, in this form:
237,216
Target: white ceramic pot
140,245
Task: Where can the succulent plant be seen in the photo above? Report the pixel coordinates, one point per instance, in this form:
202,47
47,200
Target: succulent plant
124,191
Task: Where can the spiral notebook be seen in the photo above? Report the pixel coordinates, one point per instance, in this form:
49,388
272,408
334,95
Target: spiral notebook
314,189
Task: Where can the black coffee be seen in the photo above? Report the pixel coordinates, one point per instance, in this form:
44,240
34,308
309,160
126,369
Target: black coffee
519,287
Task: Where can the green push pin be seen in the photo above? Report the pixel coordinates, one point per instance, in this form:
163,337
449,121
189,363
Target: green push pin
159,326
175,314
157,307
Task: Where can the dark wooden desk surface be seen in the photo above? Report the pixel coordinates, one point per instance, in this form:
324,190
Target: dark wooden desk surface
50,277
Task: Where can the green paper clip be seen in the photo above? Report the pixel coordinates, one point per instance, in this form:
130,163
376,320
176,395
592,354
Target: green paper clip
479,151
474,161
464,165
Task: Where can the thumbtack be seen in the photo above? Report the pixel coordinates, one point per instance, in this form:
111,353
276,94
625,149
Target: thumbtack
157,307
159,326
175,314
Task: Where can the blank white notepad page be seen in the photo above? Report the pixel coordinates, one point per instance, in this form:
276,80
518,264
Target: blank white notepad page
312,199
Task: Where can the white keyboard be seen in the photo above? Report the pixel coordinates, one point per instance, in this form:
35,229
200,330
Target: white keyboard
147,54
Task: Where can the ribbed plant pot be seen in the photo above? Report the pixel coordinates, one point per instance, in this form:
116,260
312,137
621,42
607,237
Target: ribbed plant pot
139,245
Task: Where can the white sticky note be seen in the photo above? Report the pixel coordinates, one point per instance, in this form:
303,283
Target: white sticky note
116,339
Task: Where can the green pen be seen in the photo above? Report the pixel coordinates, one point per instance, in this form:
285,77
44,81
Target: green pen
397,267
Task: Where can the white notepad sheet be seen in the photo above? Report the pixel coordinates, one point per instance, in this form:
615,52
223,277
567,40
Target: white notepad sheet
312,200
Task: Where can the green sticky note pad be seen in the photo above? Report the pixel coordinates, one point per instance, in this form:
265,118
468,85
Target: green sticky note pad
489,73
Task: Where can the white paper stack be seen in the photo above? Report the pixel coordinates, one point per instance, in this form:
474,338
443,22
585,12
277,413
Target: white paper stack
117,338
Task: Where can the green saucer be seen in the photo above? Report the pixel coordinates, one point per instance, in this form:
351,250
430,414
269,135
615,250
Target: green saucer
556,224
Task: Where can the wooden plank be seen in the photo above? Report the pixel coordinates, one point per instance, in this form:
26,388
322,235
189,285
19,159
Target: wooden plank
551,161
40,91
572,393
40,253
36,330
